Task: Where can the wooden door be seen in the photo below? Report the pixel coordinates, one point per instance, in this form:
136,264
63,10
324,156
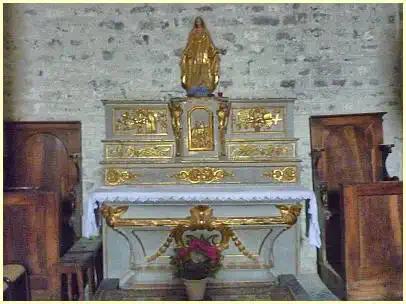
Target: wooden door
31,238
373,228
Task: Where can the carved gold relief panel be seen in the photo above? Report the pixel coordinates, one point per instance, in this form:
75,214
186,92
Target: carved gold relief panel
148,150
140,120
260,151
200,126
258,119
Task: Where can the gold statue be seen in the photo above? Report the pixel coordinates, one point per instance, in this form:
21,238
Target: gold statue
200,64
223,113
176,115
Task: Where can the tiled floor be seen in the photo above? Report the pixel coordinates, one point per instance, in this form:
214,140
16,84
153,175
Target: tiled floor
265,292
313,288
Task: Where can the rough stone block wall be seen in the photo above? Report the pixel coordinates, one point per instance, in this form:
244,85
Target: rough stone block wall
61,60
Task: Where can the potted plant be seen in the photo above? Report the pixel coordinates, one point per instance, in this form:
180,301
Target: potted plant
195,263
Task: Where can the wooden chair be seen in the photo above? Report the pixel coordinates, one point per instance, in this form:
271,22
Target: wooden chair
15,283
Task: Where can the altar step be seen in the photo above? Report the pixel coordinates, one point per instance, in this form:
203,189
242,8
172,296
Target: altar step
315,288
288,289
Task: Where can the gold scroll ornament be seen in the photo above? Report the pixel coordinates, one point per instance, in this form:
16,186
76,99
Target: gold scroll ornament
288,216
202,175
115,176
201,219
142,121
285,175
257,118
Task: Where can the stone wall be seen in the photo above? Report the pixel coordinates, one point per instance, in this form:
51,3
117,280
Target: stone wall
61,60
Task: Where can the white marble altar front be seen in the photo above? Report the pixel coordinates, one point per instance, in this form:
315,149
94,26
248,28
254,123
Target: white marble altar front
126,248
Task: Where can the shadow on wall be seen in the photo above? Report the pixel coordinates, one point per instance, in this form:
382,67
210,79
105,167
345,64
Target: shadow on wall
397,72
393,102
400,54
9,70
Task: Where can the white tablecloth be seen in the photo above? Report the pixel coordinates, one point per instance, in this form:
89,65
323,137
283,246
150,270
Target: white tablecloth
203,193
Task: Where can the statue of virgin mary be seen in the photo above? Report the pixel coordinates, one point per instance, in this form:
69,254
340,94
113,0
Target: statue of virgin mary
200,64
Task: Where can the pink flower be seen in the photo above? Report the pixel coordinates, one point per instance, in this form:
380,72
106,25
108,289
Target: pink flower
209,250
204,246
194,244
198,244
183,252
212,253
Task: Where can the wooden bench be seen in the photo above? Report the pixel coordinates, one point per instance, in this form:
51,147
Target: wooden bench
95,247
77,264
84,257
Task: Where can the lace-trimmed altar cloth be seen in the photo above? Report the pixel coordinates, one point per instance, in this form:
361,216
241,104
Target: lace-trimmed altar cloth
203,194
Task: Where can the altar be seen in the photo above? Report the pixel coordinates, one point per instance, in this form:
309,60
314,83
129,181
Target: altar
218,168
159,167
148,213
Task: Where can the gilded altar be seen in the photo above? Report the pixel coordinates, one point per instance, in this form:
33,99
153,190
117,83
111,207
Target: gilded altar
230,163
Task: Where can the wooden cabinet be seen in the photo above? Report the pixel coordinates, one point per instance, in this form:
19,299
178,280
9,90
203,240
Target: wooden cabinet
372,235
346,149
31,238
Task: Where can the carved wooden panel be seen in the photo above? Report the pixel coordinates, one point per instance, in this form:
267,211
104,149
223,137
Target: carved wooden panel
46,155
351,147
373,240
345,150
31,238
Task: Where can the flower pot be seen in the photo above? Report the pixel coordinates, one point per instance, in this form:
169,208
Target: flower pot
195,288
